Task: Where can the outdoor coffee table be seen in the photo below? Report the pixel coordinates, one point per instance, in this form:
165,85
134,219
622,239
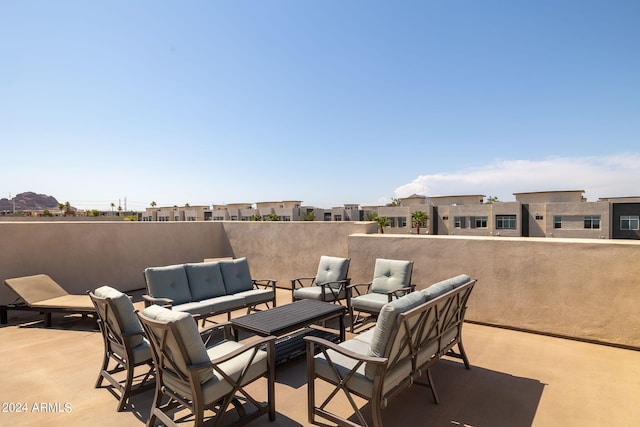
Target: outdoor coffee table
290,323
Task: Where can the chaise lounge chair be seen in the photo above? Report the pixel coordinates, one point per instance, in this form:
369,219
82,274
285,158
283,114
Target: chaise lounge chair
41,293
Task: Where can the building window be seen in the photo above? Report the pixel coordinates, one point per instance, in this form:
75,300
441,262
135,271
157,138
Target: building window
557,222
629,222
458,222
481,222
539,217
337,218
592,222
506,222
445,218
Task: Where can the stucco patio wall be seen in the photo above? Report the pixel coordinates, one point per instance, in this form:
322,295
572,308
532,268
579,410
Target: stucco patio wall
587,289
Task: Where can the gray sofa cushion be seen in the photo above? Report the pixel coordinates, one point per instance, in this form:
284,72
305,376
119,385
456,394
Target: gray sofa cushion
168,282
205,280
332,269
206,307
187,329
237,276
444,286
386,322
371,302
391,275
125,311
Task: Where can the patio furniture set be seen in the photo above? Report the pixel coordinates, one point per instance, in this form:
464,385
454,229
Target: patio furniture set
188,370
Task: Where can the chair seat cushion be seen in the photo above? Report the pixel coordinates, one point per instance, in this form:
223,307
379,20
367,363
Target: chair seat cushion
315,292
256,296
369,302
213,305
362,379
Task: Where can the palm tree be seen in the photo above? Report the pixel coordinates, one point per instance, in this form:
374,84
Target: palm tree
271,217
383,221
153,204
394,202
418,219
113,205
256,217
492,199
309,216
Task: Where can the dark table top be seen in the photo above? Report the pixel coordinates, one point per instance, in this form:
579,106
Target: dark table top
287,318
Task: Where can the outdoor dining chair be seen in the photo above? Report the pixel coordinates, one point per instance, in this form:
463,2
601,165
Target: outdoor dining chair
124,344
193,376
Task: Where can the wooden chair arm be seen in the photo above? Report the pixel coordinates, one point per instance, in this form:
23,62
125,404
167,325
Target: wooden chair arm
313,341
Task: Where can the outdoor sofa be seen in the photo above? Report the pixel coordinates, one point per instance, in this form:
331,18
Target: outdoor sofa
207,289
410,335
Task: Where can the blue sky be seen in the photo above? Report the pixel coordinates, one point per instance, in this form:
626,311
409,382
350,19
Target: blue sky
328,102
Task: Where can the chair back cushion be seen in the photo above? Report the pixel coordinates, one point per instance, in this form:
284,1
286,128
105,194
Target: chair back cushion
444,286
186,346
391,275
386,322
168,282
236,275
205,280
332,269
124,311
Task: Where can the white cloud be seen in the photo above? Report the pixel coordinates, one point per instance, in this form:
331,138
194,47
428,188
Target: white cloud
609,176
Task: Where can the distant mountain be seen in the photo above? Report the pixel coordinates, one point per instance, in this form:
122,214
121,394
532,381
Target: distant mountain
28,201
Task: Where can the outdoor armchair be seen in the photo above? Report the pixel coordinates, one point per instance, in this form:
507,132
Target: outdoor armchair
391,280
193,376
329,284
124,343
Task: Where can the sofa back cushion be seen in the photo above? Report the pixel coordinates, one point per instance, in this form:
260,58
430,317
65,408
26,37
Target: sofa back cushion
168,282
124,311
236,275
391,275
332,269
386,322
191,350
205,280
444,286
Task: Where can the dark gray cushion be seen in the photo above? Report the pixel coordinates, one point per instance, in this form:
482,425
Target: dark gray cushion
168,282
205,280
236,275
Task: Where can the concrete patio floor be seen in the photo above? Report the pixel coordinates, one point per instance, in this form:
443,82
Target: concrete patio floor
517,379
